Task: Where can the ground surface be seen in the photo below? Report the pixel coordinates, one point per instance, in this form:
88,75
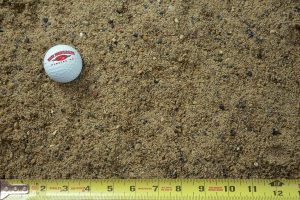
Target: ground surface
186,88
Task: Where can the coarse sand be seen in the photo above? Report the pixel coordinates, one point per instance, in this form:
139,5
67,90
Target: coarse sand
185,88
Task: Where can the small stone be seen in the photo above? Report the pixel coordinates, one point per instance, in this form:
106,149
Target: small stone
51,145
221,52
137,146
94,93
181,37
111,23
178,129
81,34
11,155
241,104
16,125
222,107
26,39
176,20
1,29
54,132
110,47
275,131
159,1
259,54
249,33
85,23
45,20
272,31
154,58
171,8
145,38
146,6
114,40
159,41
232,132
249,73
255,164
136,35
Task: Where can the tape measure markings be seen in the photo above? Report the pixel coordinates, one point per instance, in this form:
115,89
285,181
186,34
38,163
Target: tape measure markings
162,188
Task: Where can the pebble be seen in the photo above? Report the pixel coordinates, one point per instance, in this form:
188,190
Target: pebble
45,20
275,131
255,164
171,8
145,38
176,20
11,155
111,23
181,37
85,23
114,40
1,29
249,33
159,41
135,35
54,132
110,47
232,132
272,31
222,107
161,13
16,125
26,39
94,93
249,73
159,1
137,146
81,34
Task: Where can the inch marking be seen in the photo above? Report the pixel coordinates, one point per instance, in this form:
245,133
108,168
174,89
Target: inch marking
163,189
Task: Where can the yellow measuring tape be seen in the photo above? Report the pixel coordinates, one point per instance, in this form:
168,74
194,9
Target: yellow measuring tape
150,189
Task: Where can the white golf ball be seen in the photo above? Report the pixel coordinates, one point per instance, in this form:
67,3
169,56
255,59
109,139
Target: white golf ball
62,63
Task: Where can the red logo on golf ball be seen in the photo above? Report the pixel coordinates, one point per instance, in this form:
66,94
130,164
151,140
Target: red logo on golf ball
60,56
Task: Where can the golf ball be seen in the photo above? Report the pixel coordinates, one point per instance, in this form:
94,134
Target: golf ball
62,63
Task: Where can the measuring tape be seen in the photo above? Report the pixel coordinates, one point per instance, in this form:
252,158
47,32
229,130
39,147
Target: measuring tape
150,189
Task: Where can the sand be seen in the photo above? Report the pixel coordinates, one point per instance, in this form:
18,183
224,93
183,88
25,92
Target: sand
187,89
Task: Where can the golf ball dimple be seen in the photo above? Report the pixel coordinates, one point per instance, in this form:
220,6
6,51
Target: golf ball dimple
62,63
